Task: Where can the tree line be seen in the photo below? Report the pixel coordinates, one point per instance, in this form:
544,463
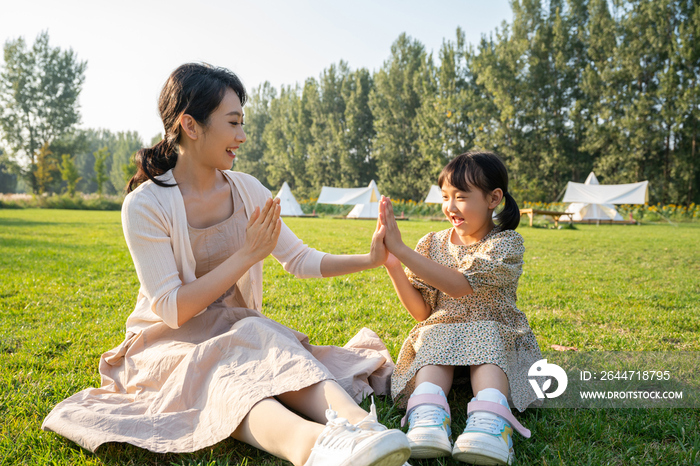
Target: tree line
39,89
568,87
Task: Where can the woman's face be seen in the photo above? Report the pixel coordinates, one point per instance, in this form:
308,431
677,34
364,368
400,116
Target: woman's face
224,133
468,212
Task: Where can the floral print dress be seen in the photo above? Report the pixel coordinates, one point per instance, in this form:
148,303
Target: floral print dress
484,327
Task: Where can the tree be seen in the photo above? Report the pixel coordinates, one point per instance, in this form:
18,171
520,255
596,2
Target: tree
357,164
44,169
123,165
8,174
101,156
69,173
286,138
39,91
395,100
249,157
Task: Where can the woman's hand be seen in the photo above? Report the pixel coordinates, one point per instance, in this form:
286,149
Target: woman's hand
392,234
377,251
262,231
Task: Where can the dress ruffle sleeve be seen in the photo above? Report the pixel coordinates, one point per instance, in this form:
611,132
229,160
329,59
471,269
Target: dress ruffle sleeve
499,264
429,293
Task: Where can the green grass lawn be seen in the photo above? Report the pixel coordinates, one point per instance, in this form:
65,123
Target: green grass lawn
67,285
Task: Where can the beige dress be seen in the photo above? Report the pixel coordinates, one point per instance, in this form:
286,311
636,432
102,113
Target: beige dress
183,389
479,328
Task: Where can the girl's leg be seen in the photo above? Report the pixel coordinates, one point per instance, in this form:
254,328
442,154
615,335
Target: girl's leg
313,401
487,437
272,427
488,376
439,375
427,413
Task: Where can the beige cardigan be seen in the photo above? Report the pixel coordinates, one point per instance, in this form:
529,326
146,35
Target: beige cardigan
155,228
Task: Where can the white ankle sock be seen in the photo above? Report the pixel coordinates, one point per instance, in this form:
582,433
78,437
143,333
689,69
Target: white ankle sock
428,388
492,394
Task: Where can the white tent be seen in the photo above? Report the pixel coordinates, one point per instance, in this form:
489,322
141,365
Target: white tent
434,196
288,204
593,201
365,200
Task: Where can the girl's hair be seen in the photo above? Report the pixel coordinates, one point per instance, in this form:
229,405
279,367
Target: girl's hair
485,171
193,89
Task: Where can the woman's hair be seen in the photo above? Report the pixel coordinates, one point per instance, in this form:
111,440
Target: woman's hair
193,89
485,171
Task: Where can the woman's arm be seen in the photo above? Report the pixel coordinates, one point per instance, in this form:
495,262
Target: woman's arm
262,232
411,298
333,265
450,281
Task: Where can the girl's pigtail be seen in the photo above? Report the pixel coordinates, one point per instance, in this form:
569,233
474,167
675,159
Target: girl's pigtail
152,162
509,217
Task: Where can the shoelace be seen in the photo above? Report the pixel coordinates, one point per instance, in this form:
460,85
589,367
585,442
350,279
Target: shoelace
371,422
343,435
475,421
426,416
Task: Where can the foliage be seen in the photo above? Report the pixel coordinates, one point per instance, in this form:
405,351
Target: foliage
45,169
101,156
39,91
569,86
123,166
69,173
61,201
8,175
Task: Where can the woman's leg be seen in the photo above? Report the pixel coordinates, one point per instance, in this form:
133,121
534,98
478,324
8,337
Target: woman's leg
439,375
488,376
313,401
270,426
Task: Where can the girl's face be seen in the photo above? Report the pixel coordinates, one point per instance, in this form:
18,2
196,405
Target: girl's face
224,133
469,212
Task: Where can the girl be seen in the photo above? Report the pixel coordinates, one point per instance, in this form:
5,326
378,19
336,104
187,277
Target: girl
200,362
460,285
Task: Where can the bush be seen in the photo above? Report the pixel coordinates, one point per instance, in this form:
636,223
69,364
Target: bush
61,201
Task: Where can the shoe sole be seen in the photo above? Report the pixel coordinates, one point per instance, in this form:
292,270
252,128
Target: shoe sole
433,448
390,449
480,456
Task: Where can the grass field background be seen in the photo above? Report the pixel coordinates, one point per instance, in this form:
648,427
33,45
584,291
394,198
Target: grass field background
67,285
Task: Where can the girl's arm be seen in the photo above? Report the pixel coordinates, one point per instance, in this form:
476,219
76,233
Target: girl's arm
333,265
410,297
445,279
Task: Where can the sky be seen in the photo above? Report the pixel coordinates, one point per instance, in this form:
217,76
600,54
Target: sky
131,47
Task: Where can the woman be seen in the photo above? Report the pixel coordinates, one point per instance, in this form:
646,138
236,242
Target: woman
199,361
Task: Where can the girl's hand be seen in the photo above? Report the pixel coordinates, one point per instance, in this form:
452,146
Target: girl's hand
392,262
392,235
262,231
377,251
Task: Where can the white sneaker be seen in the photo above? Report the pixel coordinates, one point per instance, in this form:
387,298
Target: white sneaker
488,436
343,444
429,432
487,440
371,422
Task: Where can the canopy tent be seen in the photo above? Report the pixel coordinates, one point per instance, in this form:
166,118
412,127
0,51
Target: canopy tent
289,205
434,196
365,200
593,201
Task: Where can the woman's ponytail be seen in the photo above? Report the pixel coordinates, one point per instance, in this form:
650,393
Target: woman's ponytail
509,217
153,162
